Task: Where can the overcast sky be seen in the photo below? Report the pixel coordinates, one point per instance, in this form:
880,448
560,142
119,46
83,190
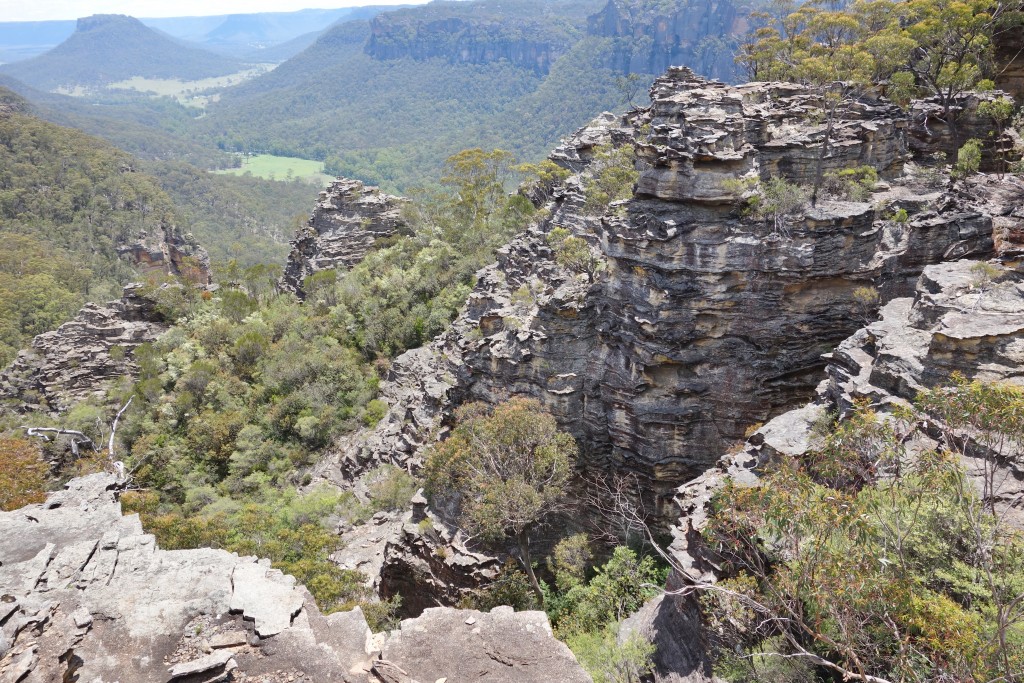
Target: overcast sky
42,10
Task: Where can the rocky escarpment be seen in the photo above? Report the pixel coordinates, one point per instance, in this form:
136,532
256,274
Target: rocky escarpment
348,220
702,35
932,137
964,317
1010,57
86,595
83,356
703,321
519,33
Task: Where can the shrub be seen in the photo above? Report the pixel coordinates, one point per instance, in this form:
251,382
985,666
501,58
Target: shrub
23,474
968,159
609,660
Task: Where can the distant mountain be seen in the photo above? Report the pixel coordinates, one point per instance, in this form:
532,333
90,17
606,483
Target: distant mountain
282,51
106,48
244,35
25,39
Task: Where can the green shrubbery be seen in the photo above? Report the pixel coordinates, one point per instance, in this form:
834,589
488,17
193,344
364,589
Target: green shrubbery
871,560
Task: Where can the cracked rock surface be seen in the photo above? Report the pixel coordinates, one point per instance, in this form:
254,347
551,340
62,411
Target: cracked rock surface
85,593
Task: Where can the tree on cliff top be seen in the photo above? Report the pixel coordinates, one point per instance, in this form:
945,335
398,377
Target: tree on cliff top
906,48
510,466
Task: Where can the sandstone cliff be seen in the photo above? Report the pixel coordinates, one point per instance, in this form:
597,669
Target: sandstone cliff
86,595
703,321
348,219
521,33
169,252
642,36
652,36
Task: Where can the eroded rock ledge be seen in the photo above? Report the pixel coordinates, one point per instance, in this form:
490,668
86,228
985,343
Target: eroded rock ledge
86,595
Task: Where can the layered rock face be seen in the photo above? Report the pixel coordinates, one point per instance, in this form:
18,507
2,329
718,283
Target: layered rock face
677,33
932,136
348,219
1008,55
86,595
705,135
83,356
703,322
964,317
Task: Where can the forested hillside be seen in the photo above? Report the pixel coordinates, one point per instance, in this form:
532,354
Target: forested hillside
241,218
388,102
67,202
110,47
153,129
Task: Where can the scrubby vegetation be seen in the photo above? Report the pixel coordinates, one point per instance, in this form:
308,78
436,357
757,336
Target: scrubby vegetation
872,561
239,398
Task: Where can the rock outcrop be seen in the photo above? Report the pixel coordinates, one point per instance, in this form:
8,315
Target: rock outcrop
965,317
1010,77
428,565
83,356
348,219
86,595
703,321
931,135
169,252
502,645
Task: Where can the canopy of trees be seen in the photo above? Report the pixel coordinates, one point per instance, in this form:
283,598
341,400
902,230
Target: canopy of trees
67,201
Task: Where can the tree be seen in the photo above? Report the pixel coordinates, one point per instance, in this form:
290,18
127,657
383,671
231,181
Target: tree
777,201
509,466
477,180
968,160
612,175
629,87
925,46
1000,110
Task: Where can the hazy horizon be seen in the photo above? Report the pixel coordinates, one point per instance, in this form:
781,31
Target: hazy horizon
57,10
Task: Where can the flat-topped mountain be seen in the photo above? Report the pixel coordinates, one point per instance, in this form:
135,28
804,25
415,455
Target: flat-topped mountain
106,48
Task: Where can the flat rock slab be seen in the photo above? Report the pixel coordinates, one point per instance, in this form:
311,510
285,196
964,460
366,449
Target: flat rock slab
78,577
500,646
